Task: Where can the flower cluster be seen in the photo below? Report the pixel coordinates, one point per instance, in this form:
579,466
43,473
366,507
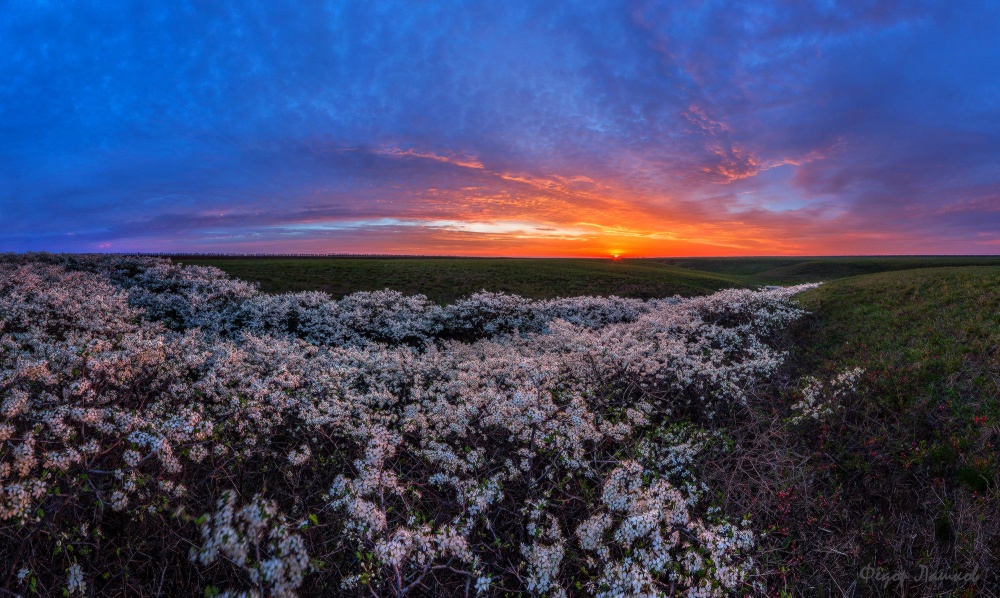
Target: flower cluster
821,398
645,541
495,444
258,540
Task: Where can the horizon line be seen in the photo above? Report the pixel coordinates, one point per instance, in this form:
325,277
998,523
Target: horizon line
170,254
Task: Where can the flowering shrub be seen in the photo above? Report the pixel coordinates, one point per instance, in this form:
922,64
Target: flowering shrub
821,398
271,445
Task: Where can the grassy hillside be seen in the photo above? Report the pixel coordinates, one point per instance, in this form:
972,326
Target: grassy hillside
795,270
930,343
905,473
447,279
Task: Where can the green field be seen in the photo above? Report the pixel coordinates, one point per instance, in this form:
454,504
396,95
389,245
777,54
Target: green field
447,279
795,270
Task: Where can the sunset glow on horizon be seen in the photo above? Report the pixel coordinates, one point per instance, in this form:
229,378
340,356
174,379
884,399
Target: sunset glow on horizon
516,129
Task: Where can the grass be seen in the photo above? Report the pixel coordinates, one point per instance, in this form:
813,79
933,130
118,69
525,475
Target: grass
930,343
930,322
795,270
907,473
447,279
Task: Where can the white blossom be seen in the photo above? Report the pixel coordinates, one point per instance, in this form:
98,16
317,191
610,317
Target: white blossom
124,380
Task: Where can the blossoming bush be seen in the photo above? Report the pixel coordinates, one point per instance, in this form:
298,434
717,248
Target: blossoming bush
166,429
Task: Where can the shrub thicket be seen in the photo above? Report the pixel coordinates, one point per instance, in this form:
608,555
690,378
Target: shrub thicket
168,430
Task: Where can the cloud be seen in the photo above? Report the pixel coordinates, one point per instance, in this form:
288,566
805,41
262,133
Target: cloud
541,128
456,159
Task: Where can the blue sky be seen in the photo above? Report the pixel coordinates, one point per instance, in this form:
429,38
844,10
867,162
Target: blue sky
513,128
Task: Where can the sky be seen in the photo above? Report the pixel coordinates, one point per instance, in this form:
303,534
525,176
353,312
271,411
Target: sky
531,128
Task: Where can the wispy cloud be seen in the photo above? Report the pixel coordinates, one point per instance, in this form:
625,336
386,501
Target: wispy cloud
456,159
